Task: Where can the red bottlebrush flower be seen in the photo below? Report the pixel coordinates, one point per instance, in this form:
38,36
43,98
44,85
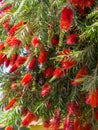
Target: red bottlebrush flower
45,90
11,104
6,24
24,111
69,124
66,18
13,59
48,72
56,121
80,75
55,40
27,47
28,119
13,41
14,86
48,104
42,56
71,39
96,114
36,42
92,99
6,9
2,58
68,64
13,68
58,73
77,124
71,107
2,46
15,28
47,124
83,3
20,60
32,63
64,54
26,79
7,62
87,127
9,128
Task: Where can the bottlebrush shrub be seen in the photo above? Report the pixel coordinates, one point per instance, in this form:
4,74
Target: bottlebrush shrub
49,63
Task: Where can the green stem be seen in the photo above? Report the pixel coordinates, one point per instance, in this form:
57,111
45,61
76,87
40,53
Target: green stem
61,38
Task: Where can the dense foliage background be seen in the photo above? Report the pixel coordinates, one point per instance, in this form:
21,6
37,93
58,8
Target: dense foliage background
49,63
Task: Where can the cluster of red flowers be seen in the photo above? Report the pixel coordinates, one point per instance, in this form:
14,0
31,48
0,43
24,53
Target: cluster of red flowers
82,4
6,8
76,124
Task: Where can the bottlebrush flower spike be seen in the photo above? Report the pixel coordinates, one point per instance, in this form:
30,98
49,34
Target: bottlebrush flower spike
13,58
92,98
71,107
27,47
15,28
2,46
24,111
80,75
26,79
48,72
64,54
42,56
66,18
96,114
48,104
36,42
9,128
20,60
47,124
13,41
87,127
72,39
45,90
55,40
68,124
56,121
13,68
77,124
82,4
14,86
32,63
68,64
10,104
5,9
28,119
6,24
2,58
7,62
58,73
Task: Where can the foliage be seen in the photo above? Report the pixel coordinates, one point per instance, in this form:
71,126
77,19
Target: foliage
32,39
